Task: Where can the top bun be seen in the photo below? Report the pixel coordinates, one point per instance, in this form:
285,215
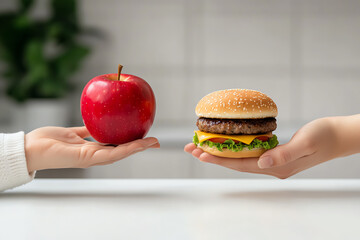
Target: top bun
236,104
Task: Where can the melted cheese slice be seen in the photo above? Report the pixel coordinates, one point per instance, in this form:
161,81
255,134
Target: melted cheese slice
247,139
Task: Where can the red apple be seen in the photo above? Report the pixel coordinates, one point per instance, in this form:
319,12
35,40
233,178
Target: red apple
117,108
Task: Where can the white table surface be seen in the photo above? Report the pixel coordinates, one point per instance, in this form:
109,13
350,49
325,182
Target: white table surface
182,209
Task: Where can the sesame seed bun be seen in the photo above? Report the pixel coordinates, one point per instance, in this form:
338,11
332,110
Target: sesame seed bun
236,104
245,153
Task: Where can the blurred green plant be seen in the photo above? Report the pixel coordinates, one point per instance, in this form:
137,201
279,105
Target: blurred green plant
40,56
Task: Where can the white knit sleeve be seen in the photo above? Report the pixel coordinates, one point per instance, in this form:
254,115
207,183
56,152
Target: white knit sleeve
13,168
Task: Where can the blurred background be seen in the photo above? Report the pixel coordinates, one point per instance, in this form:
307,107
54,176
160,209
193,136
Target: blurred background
303,54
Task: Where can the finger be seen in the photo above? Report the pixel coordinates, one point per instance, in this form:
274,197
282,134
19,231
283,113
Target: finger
113,161
189,147
155,146
243,165
135,146
105,154
147,140
197,152
284,154
81,131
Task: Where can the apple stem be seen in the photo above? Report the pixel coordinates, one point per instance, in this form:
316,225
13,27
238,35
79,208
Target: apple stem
119,71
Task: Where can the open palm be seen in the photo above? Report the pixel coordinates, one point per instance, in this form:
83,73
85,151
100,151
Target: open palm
311,145
58,147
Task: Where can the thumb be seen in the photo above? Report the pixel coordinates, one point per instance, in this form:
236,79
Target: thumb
283,154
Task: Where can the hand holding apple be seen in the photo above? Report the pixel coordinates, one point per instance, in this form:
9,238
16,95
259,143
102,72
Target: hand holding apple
117,108
58,147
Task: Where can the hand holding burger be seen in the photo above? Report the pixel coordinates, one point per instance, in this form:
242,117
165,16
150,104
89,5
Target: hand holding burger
317,142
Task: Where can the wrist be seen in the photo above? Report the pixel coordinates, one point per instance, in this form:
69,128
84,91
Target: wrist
30,160
347,134
337,135
326,138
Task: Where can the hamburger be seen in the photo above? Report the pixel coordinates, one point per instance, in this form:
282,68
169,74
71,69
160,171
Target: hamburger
236,123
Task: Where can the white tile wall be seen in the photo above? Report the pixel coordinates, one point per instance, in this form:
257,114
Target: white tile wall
139,32
328,97
172,163
331,41
328,7
243,7
330,56
169,88
249,40
347,167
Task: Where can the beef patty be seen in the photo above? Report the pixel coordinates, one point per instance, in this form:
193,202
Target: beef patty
236,126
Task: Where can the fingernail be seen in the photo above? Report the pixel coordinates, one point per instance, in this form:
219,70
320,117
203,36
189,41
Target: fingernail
265,162
156,145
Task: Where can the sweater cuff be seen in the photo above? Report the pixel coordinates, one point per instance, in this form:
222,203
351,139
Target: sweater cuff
15,165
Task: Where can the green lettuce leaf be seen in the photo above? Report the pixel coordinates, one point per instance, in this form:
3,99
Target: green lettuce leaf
196,139
236,147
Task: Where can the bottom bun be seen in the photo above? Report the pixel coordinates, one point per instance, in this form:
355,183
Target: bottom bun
245,153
